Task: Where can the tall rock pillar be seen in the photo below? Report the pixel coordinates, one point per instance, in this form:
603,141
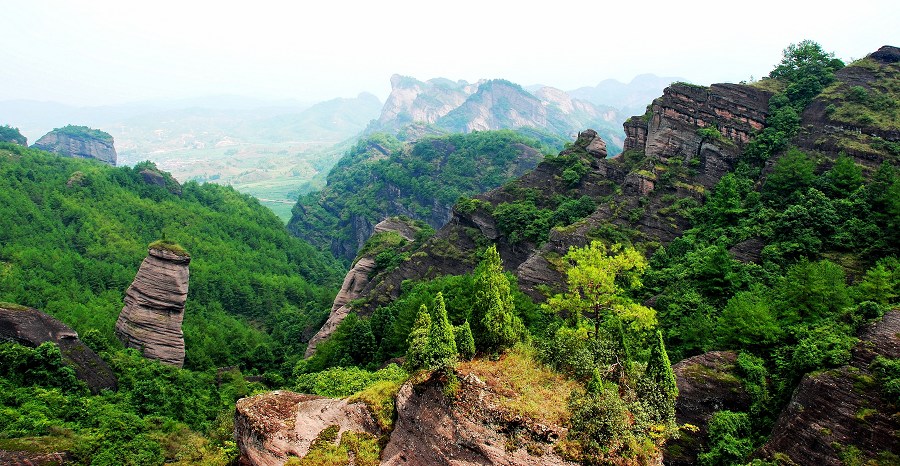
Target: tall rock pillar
154,306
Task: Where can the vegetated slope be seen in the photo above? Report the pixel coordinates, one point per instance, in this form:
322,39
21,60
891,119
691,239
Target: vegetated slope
415,109
382,177
771,229
74,232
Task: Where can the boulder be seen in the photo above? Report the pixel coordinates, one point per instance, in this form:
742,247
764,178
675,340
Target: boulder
31,327
80,142
154,307
271,427
432,429
706,383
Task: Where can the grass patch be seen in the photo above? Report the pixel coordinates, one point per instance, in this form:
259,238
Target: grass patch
170,246
524,385
362,448
64,440
381,398
13,306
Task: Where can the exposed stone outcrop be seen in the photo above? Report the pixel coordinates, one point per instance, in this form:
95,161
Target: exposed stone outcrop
271,427
154,307
706,383
30,458
843,411
30,327
469,430
355,282
80,142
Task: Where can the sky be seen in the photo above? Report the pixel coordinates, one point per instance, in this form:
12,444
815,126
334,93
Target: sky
104,52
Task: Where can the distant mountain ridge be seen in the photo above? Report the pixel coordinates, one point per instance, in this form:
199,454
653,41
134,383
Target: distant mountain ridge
442,105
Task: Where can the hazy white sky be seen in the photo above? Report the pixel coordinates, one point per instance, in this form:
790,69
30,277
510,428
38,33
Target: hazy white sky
96,52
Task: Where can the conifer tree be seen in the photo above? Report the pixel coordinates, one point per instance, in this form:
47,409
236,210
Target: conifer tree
494,312
661,380
441,342
417,356
465,343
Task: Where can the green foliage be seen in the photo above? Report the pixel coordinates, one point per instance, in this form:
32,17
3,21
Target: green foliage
441,342
425,177
41,366
11,134
465,342
345,381
94,234
523,221
659,372
844,178
748,321
494,310
887,371
170,246
417,356
729,441
84,132
793,173
599,423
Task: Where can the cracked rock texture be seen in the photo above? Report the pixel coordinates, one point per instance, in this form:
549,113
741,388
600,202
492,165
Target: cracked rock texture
154,308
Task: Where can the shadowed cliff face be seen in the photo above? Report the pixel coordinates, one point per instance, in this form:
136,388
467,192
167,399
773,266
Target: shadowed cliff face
79,146
31,327
154,308
835,411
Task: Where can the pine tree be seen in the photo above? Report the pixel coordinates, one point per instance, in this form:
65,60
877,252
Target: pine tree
661,381
417,356
497,325
441,342
465,343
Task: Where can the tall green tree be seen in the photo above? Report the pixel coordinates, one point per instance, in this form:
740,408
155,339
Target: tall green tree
494,311
441,342
418,356
662,381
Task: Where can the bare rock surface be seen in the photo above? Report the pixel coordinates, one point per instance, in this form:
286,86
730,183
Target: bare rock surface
28,458
271,427
92,144
843,410
706,383
469,430
154,307
31,327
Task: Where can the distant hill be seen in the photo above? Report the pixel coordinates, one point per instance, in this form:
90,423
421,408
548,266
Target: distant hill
630,98
415,108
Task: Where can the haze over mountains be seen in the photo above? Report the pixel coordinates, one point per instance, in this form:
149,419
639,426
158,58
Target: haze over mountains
277,150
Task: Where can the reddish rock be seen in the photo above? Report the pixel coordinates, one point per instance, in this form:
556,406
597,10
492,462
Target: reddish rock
154,307
271,427
31,327
469,430
835,410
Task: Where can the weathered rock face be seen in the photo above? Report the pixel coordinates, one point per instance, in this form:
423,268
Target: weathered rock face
706,384
412,100
470,430
79,142
355,282
836,411
269,428
154,307
30,327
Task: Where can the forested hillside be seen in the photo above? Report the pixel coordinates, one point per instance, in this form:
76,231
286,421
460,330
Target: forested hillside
758,220
382,177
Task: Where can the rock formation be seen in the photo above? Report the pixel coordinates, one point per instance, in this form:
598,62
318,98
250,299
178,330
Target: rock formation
30,327
841,411
154,307
269,428
80,142
355,282
706,383
430,429
469,430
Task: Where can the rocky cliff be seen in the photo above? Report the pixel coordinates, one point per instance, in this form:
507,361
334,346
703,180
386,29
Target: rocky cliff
414,101
706,383
30,327
272,427
154,306
842,415
80,142
357,278
430,428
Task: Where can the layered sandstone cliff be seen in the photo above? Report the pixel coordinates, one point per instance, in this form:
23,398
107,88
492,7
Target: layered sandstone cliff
30,327
154,307
80,142
839,413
